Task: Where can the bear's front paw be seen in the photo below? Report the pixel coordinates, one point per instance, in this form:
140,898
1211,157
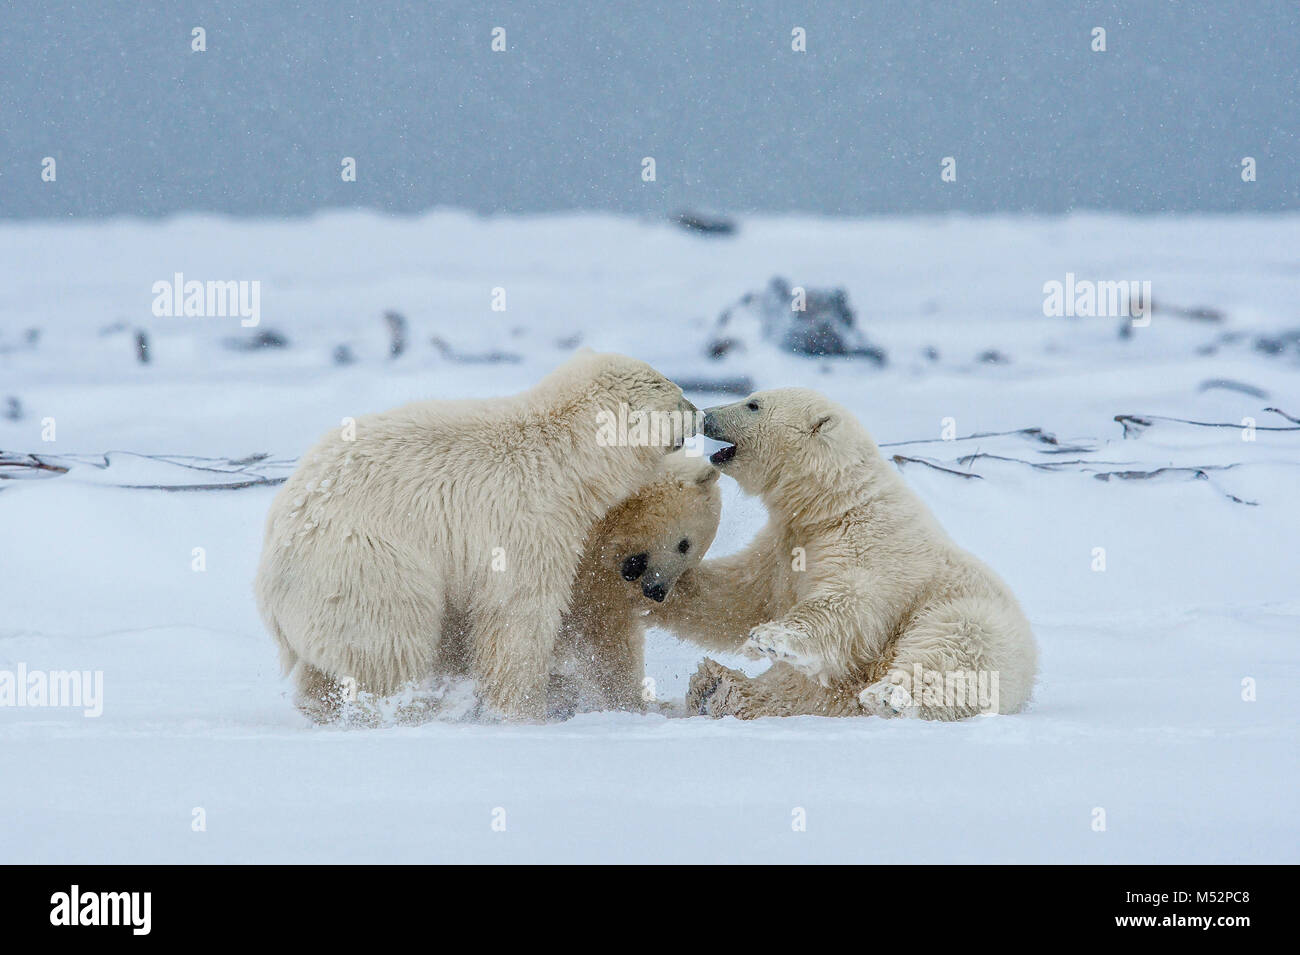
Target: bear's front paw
887,700
771,641
776,641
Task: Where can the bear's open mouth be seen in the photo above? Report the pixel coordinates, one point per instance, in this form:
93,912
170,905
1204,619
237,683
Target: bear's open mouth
721,457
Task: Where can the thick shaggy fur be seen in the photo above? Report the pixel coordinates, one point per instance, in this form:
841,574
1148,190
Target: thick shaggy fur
463,516
852,588
634,554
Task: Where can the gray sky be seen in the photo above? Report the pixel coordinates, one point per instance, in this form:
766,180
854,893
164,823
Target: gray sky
735,120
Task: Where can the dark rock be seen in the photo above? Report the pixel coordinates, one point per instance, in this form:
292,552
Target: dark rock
741,386
1227,384
1277,344
721,347
704,224
266,338
481,358
396,323
825,326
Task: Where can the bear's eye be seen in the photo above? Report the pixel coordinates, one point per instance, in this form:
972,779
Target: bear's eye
752,406
683,545
634,566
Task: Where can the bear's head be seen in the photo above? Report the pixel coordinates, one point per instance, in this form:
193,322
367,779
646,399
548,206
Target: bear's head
785,437
653,537
627,403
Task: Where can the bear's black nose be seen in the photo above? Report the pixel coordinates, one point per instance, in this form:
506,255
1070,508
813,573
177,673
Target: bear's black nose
709,427
656,593
635,566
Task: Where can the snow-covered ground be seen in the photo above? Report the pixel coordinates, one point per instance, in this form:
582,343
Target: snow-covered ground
1140,708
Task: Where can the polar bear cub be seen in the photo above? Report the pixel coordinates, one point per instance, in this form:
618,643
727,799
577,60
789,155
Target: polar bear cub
474,511
851,583
633,555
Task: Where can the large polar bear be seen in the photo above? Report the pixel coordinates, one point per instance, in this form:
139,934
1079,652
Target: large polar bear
633,555
851,584
464,515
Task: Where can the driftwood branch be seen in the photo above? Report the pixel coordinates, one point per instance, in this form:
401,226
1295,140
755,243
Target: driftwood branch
1195,473
1288,417
1130,473
900,459
968,459
10,464
1136,424
15,466
234,486
1035,434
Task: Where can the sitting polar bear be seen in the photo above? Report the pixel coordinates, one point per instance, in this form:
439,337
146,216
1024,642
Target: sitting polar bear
851,583
468,515
636,551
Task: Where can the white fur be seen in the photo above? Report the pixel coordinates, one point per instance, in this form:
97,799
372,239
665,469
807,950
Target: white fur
600,652
377,567
882,590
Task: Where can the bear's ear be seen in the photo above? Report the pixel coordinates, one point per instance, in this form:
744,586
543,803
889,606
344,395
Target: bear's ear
823,423
708,476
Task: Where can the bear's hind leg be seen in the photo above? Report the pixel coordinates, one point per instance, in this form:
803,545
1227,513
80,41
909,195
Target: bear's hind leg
782,690
511,651
318,696
719,691
958,659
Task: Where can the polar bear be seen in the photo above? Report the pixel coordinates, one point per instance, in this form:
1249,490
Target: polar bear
634,554
470,512
852,588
